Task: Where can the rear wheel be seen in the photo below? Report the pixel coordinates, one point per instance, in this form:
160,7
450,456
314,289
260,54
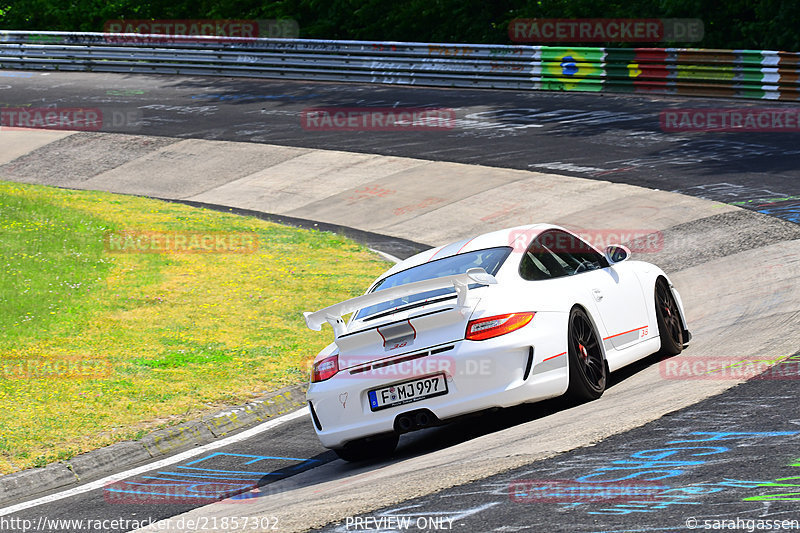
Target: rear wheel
670,328
587,368
369,448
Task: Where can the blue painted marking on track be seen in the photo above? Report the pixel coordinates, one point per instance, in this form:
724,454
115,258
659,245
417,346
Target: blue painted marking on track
215,497
188,481
659,463
203,476
4,74
256,458
655,528
232,471
786,212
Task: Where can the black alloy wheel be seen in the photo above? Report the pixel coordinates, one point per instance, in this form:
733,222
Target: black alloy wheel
588,372
670,327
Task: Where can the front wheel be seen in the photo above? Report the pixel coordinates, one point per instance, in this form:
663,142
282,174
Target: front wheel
670,328
368,448
587,368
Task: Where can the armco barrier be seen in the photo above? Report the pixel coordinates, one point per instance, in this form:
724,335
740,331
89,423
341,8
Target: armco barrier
681,71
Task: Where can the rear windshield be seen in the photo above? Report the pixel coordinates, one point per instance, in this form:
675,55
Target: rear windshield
490,259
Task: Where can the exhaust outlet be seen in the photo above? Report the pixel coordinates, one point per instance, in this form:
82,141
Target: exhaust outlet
404,423
422,419
414,420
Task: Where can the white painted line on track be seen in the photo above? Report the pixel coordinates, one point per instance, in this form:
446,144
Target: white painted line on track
244,435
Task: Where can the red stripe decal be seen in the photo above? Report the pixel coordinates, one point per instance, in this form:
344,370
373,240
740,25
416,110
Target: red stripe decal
434,255
465,245
553,357
624,332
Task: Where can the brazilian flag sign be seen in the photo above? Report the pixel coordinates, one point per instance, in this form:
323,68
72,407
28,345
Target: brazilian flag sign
572,69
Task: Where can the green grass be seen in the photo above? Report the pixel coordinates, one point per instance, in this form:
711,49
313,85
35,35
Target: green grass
52,260
97,347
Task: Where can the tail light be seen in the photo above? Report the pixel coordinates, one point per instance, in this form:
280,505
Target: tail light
494,326
325,369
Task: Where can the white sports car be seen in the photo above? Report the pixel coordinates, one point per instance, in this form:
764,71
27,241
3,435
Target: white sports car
513,316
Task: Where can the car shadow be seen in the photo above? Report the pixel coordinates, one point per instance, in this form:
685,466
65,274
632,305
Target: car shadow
456,431
477,425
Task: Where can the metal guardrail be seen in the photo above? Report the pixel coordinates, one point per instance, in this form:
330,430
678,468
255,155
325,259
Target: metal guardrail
721,73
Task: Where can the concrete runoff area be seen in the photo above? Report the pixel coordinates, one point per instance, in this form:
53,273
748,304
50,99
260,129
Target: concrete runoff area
20,142
741,301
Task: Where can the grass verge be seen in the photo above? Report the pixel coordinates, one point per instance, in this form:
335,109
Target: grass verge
98,345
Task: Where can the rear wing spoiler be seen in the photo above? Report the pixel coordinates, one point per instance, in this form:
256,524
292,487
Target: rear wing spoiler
333,314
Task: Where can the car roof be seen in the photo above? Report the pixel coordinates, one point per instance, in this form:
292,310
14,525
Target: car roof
503,237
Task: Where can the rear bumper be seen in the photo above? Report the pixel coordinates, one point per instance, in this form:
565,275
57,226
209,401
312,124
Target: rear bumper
479,375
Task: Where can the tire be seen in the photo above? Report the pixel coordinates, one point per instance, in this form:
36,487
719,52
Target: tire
668,318
588,372
369,448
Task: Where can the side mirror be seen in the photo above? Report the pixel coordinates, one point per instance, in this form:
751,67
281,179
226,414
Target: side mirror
616,253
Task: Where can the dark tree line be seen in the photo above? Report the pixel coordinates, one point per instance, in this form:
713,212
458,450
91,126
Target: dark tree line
753,24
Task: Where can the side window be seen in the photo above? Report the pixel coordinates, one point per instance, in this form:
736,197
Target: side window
540,262
554,253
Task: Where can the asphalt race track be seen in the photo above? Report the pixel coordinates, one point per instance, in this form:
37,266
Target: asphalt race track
603,136
179,487
654,453
734,456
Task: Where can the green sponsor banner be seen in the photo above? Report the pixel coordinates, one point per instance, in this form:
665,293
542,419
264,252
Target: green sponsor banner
621,69
749,57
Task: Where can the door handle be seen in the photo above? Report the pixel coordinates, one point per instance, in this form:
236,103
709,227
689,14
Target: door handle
598,294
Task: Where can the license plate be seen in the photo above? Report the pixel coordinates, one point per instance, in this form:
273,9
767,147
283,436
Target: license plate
407,392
